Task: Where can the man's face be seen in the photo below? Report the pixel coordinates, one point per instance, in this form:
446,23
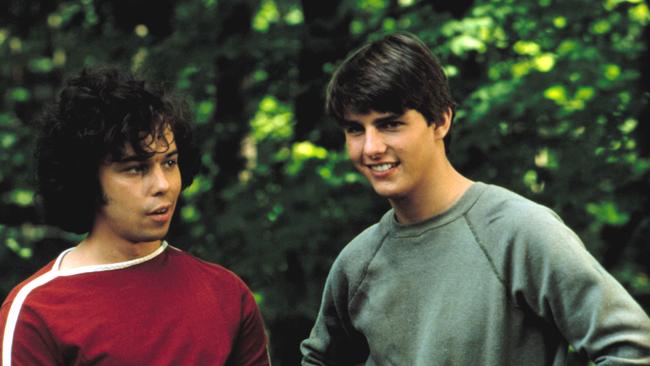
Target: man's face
140,194
398,154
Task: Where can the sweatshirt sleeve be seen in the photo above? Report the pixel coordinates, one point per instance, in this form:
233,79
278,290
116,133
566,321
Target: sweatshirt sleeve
555,276
333,339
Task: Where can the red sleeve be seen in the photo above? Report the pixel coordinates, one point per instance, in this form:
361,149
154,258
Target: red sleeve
251,346
28,338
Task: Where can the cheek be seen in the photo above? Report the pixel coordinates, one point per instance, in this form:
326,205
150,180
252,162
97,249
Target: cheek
119,202
178,179
176,183
352,149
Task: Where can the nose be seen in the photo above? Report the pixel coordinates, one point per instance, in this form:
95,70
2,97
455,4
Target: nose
373,143
159,181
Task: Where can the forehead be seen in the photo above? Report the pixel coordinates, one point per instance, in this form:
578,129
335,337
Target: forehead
164,141
368,116
164,138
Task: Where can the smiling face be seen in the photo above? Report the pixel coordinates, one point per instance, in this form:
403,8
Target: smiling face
399,154
140,193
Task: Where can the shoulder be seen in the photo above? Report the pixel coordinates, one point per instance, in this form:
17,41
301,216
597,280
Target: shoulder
505,222
499,208
350,266
364,246
39,278
201,270
22,297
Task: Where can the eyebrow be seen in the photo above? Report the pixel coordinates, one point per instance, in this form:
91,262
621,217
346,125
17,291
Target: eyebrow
387,118
141,158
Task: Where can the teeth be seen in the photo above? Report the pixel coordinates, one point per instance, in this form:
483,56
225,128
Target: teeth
381,167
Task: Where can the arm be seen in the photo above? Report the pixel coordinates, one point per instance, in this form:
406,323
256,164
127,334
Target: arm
333,340
25,341
251,346
562,283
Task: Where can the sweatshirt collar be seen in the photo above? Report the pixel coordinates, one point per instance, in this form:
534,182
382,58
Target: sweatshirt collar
458,209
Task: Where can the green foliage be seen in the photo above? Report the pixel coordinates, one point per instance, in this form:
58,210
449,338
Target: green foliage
550,105
273,120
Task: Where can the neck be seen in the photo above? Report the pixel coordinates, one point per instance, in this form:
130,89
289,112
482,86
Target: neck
435,197
97,251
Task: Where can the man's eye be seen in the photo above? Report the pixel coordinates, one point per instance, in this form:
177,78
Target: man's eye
136,169
171,162
389,125
351,129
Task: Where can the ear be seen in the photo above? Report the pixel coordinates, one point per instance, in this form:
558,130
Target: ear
441,128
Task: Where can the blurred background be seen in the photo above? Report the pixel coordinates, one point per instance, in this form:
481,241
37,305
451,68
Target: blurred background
553,104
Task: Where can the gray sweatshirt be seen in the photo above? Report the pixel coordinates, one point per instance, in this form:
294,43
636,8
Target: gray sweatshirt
495,280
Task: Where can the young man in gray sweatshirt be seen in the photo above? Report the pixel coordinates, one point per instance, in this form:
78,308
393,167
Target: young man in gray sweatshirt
457,272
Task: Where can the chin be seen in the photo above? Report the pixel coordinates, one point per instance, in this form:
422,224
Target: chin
388,193
148,238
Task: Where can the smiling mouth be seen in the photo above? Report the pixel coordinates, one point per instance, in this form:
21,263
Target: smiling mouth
382,167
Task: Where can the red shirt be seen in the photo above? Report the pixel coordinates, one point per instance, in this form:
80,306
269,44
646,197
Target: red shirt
168,308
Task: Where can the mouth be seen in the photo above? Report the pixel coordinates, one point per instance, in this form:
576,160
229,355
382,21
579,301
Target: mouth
383,167
161,215
162,210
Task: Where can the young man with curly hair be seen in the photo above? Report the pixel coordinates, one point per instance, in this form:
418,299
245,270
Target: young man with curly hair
113,156
456,272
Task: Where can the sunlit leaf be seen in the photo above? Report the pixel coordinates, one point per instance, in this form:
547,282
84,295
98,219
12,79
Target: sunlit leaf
640,14
25,253
546,158
357,27
612,71
567,46
7,140
522,68
372,5
389,24
275,212
273,120
41,65
19,94
141,30
209,4
22,197
15,44
544,62
556,93
629,125
59,58
608,213
601,27
204,111
190,213
526,48
54,20
294,16
559,22
139,59
465,42
307,150
405,2
585,93
200,185
266,15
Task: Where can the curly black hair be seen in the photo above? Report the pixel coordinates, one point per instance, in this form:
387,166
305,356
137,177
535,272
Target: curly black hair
99,113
